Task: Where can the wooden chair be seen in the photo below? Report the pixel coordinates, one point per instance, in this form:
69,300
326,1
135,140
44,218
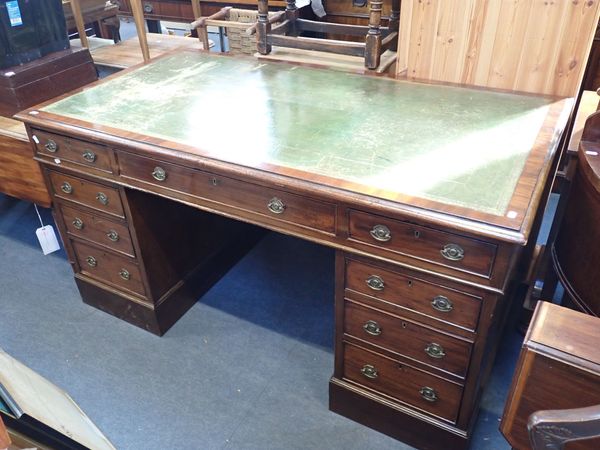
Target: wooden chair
287,33
552,429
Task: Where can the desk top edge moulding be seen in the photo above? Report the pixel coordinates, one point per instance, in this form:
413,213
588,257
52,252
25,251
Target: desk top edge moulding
495,138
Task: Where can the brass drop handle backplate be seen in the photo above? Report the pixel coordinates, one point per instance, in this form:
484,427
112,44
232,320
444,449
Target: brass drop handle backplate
442,304
78,223
89,156
375,282
453,252
428,394
159,174
276,206
369,371
102,198
371,327
124,273
66,187
51,146
112,235
92,262
435,350
381,233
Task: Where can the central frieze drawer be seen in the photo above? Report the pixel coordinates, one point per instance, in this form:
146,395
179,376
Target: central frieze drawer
407,338
438,247
108,233
402,382
442,303
102,265
272,203
87,193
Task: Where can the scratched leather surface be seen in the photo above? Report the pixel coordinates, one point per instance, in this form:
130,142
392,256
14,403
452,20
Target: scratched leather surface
454,145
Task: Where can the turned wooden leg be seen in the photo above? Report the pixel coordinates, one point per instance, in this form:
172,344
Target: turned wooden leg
263,28
373,39
291,14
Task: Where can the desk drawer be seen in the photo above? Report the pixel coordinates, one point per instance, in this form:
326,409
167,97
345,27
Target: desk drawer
272,203
108,233
444,304
407,338
118,271
73,150
402,382
94,195
438,247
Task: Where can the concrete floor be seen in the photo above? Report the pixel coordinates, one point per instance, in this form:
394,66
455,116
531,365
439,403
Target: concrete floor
247,367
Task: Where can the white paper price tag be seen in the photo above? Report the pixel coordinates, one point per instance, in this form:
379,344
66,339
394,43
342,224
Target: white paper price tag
47,238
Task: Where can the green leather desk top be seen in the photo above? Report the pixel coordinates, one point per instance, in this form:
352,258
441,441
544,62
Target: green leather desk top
453,145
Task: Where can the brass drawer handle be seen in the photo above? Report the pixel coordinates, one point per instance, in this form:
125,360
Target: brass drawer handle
66,187
89,156
428,394
112,235
381,233
369,371
453,252
371,327
51,146
375,282
91,261
276,206
124,273
442,304
159,174
435,350
102,198
78,223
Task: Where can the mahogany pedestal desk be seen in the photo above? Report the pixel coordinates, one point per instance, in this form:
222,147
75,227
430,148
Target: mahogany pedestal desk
431,196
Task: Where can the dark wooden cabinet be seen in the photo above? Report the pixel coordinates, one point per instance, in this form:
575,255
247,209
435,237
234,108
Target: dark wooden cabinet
559,368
